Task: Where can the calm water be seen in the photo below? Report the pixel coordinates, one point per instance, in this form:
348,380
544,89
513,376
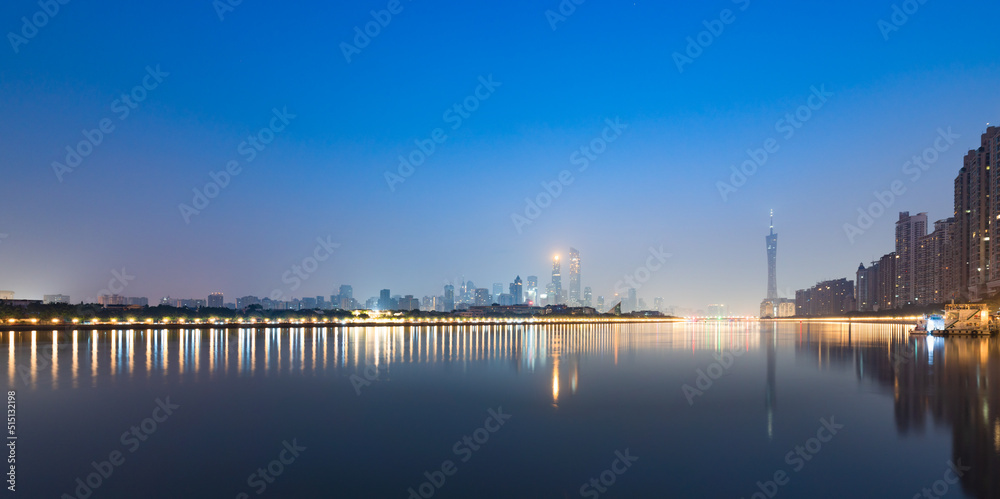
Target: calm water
814,411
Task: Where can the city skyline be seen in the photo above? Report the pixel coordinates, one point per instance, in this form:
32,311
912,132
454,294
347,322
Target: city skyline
873,102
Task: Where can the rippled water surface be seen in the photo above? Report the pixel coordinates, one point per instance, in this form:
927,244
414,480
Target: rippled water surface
697,410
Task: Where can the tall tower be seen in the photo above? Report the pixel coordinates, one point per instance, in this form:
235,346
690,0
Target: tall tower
574,277
556,281
772,262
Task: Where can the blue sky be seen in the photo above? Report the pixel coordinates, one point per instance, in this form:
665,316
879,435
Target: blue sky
323,176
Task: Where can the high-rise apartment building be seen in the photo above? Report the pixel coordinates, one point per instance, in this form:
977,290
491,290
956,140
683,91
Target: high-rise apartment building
909,230
215,300
825,298
888,281
588,296
575,296
866,288
934,263
989,152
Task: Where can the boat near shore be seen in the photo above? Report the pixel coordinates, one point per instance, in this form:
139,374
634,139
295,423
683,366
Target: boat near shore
967,319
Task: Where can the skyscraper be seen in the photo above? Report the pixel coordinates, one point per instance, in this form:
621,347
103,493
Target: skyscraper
497,291
574,277
588,296
516,290
532,290
449,298
482,297
909,230
866,288
346,297
556,281
384,300
772,263
769,307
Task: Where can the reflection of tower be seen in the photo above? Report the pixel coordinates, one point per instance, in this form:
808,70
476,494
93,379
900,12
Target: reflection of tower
772,257
769,338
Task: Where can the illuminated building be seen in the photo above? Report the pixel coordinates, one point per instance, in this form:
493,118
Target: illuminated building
50,298
449,298
516,291
556,292
215,300
769,307
482,297
574,277
909,230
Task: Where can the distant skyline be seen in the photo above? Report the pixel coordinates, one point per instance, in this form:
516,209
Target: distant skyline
508,107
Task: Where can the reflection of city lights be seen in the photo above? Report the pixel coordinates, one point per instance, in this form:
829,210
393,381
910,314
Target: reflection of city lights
996,435
555,383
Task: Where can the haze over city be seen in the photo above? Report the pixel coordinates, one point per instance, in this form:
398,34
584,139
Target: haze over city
552,87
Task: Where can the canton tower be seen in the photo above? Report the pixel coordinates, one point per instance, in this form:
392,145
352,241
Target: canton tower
772,256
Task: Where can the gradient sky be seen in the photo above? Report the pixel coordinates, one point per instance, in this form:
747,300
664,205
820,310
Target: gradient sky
324,175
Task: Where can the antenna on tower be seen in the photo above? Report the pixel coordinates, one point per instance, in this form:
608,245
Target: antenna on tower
772,221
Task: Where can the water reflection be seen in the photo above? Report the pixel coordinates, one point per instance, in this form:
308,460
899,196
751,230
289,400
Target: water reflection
945,382
933,382
203,354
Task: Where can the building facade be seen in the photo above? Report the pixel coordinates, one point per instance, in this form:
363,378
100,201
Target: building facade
575,296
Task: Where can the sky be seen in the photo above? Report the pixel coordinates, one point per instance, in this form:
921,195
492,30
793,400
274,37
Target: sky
621,122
